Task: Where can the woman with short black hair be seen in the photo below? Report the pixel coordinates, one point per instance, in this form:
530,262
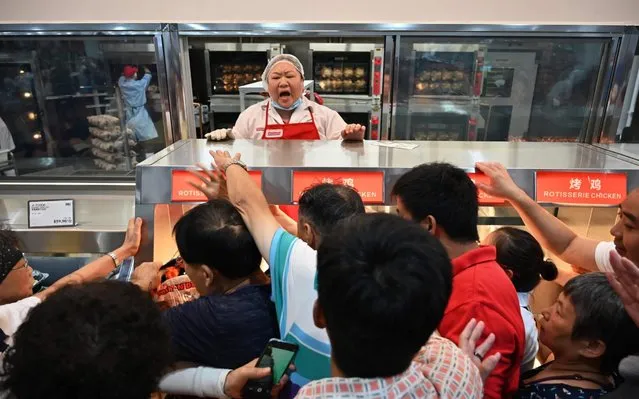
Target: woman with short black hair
589,331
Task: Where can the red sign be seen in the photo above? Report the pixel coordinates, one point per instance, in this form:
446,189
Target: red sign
182,191
581,188
484,198
369,185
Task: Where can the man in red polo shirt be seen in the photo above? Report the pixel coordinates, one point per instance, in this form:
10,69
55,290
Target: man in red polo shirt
443,199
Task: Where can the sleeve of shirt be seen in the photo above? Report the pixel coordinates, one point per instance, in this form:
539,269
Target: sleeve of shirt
12,315
499,382
602,255
440,357
279,255
192,325
334,125
203,382
146,79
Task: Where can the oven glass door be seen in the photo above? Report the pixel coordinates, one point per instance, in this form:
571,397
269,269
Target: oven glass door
342,72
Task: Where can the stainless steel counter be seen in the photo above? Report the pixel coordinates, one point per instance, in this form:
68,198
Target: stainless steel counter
277,159
625,150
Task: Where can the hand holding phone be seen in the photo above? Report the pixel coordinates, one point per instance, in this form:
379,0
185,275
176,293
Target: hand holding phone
278,355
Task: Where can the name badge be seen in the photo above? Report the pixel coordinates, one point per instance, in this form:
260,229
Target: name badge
51,213
274,133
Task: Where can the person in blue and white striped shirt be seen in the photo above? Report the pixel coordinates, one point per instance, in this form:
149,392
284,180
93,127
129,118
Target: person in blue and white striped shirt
292,260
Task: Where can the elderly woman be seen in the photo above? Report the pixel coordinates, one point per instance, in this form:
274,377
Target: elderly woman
589,332
287,114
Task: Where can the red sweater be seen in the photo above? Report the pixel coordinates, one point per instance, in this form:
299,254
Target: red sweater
482,290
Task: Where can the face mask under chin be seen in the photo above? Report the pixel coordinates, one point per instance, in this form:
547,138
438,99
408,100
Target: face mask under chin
293,106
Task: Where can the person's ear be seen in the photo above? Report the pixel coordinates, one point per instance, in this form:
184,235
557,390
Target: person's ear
208,275
311,235
318,316
430,224
592,349
510,273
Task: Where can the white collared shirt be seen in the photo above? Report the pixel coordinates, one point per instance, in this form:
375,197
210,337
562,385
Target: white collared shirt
250,123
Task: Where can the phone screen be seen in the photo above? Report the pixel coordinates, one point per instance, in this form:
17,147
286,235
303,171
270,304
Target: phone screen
282,359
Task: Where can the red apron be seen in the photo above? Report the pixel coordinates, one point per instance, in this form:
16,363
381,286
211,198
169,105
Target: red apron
290,131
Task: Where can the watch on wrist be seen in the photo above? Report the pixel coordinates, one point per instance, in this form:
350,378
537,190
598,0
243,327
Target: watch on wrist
234,162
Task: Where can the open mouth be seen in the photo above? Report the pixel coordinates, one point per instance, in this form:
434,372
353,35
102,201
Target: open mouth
285,94
620,250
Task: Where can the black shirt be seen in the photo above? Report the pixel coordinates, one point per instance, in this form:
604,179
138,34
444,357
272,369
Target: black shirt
224,331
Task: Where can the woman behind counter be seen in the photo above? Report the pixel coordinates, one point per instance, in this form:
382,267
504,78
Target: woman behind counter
287,114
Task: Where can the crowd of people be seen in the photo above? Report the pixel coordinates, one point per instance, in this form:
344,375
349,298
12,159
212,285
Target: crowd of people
380,306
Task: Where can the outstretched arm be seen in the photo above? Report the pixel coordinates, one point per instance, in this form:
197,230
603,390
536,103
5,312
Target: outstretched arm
101,267
551,232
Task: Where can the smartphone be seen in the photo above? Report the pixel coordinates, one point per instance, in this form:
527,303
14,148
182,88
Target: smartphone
278,355
283,355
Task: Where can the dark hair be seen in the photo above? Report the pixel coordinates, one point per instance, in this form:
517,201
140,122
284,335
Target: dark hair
445,192
215,235
326,204
383,285
97,340
518,251
600,315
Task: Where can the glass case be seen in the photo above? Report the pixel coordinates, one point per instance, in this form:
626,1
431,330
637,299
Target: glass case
496,89
59,111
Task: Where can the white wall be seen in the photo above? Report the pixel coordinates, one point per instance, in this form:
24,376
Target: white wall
576,12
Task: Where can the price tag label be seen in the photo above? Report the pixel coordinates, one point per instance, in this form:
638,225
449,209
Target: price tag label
51,213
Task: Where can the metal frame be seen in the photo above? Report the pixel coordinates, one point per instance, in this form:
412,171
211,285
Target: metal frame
354,29
387,86
153,176
621,75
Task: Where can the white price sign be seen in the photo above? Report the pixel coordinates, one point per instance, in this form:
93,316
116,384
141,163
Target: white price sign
51,213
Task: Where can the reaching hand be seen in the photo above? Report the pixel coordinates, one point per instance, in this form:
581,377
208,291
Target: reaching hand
213,183
467,343
501,184
354,132
625,282
223,158
131,244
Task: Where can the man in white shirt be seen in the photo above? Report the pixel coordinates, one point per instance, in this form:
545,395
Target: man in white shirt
558,238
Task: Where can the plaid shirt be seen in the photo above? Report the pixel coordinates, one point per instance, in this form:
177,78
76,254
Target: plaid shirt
440,370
